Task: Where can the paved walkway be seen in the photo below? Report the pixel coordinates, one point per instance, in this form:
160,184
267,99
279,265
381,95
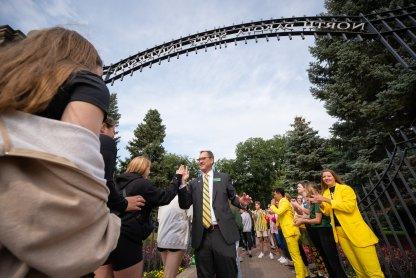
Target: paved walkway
255,267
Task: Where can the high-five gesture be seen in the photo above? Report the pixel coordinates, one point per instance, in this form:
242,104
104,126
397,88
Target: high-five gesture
245,200
184,171
180,170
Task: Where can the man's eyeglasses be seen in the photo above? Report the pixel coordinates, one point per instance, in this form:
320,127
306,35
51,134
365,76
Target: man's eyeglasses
202,158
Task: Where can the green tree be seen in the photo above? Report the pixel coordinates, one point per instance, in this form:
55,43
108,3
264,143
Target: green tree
115,115
257,166
147,141
113,111
362,86
305,154
171,162
279,156
225,166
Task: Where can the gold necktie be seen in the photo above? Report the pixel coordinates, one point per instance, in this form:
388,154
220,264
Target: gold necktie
206,204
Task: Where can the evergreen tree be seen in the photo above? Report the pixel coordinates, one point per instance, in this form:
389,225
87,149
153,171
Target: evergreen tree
279,162
305,154
363,88
171,162
114,114
113,108
147,141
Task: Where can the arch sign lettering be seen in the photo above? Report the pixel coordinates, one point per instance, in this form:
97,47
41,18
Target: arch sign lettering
398,24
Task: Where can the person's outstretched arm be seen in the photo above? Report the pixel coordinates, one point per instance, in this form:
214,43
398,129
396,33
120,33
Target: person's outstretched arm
240,202
185,189
232,196
185,196
156,196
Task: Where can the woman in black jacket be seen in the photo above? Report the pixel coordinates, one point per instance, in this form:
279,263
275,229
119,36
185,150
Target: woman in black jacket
127,259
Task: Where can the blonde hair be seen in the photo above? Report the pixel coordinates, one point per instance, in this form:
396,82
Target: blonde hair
139,164
32,70
311,188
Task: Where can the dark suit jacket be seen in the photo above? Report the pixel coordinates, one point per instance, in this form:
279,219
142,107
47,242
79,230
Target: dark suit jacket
222,192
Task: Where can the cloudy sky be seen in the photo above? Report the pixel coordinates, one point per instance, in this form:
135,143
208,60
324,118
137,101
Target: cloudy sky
208,100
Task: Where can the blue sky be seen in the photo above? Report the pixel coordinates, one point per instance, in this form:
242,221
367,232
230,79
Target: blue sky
210,100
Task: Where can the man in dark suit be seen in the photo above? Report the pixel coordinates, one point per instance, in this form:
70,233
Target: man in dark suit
214,230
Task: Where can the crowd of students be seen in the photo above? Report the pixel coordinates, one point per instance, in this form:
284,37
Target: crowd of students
318,219
57,160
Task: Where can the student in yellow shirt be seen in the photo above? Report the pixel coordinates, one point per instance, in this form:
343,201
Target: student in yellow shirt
260,226
357,240
290,231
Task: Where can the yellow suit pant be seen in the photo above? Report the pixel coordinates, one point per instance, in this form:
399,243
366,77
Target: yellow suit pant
364,260
293,248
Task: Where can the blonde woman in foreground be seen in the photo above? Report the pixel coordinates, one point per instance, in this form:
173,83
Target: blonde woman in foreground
52,187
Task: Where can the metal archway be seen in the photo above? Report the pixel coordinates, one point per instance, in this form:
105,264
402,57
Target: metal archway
393,28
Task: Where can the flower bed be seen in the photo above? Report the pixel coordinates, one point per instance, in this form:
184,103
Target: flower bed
158,273
396,260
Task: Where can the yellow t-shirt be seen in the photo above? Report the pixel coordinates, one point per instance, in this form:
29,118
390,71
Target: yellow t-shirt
260,224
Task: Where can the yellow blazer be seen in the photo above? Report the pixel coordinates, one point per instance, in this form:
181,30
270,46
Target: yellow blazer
285,218
344,205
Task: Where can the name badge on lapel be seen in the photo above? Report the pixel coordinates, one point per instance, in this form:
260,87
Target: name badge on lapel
216,179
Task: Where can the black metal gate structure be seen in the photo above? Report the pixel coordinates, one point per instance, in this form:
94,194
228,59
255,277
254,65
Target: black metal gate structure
388,203
395,29
388,200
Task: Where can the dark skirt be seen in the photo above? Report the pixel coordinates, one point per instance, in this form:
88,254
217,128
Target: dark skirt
126,254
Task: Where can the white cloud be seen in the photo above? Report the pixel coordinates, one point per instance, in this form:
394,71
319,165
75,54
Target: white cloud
25,13
223,97
29,15
59,8
207,100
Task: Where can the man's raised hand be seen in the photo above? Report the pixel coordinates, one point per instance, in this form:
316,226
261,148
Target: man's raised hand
245,200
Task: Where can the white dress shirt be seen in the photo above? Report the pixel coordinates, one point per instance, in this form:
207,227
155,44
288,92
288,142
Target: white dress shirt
210,184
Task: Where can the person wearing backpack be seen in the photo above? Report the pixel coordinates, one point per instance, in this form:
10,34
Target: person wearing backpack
127,259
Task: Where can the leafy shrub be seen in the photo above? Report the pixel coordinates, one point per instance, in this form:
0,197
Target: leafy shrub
396,260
